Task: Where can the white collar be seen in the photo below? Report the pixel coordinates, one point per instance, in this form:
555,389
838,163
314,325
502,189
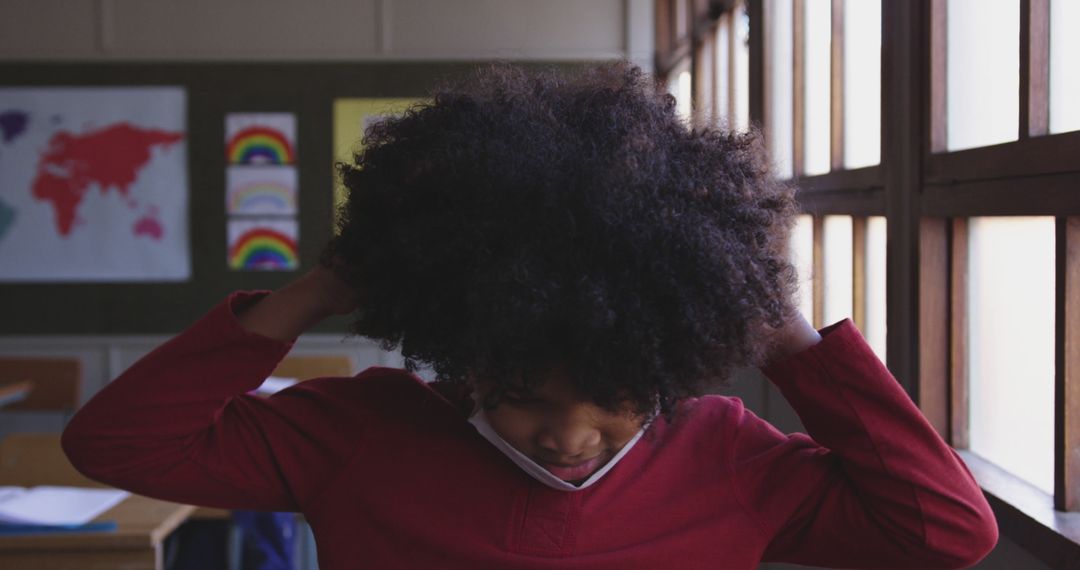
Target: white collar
480,422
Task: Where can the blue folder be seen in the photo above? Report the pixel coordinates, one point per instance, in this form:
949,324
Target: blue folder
92,526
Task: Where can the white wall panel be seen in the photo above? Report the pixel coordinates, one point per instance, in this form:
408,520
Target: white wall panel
52,28
338,30
517,29
255,29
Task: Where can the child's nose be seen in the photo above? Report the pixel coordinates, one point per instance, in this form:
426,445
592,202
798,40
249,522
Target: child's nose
570,439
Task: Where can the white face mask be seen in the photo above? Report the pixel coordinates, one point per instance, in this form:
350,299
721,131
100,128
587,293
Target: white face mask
480,422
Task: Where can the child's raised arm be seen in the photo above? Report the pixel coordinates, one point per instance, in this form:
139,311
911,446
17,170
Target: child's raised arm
180,424
293,309
875,487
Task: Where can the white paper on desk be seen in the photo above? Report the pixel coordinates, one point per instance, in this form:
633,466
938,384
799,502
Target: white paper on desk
274,384
57,505
8,492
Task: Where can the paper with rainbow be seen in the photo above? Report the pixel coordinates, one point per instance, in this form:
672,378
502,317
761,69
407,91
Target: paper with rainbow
268,244
260,138
260,190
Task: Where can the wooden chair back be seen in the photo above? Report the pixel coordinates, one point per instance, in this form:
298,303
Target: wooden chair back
57,382
29,459
306,367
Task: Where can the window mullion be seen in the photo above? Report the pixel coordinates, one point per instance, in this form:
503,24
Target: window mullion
818,272
1067,366
958,335
858,272
836,76
933,340
939,73
1034,68
798,84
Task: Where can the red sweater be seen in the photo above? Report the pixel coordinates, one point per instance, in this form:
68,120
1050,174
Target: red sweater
390,474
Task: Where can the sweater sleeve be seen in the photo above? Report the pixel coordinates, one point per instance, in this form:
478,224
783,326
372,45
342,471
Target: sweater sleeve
874,486
179,425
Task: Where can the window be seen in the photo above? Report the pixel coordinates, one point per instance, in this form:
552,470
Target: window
840,261
873,307
740,67
823,122
935,147
722,82
862,84
802,257
1010,344
1064,65
680,88
781,101
999,256
839,257
822,98
983,72
816,20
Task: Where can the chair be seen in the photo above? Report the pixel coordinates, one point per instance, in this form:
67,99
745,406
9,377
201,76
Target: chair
306,367
30,459
14,392
56,383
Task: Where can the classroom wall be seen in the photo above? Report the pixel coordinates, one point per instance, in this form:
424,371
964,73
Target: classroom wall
266,31
326,30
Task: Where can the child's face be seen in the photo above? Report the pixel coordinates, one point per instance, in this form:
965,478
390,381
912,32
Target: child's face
568,436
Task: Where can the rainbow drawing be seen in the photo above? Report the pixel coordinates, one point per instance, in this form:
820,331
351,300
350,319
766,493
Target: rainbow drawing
265,246
262,198
260,138
260,145
261,190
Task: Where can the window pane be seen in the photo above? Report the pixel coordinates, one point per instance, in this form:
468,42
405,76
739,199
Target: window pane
680,89
723,70
780,79
839,256
704,97
742,68
1011,344
862,83
983,62
875,284
802,257
1064,65
816,92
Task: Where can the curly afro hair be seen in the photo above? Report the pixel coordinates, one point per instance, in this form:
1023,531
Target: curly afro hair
523,220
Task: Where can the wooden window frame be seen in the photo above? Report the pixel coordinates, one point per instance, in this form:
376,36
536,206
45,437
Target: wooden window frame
854,191
927,195
703,74
697,50
1033,175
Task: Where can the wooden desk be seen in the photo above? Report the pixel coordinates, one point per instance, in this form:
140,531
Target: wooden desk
142,525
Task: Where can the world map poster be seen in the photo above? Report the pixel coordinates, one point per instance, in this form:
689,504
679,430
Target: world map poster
93,185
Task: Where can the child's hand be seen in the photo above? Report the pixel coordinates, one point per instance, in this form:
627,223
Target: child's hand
300,305
337,297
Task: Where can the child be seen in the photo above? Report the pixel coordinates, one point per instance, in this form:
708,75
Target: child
578,267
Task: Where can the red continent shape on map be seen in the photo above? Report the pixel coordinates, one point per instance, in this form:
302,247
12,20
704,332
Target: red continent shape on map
109,157
149,226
